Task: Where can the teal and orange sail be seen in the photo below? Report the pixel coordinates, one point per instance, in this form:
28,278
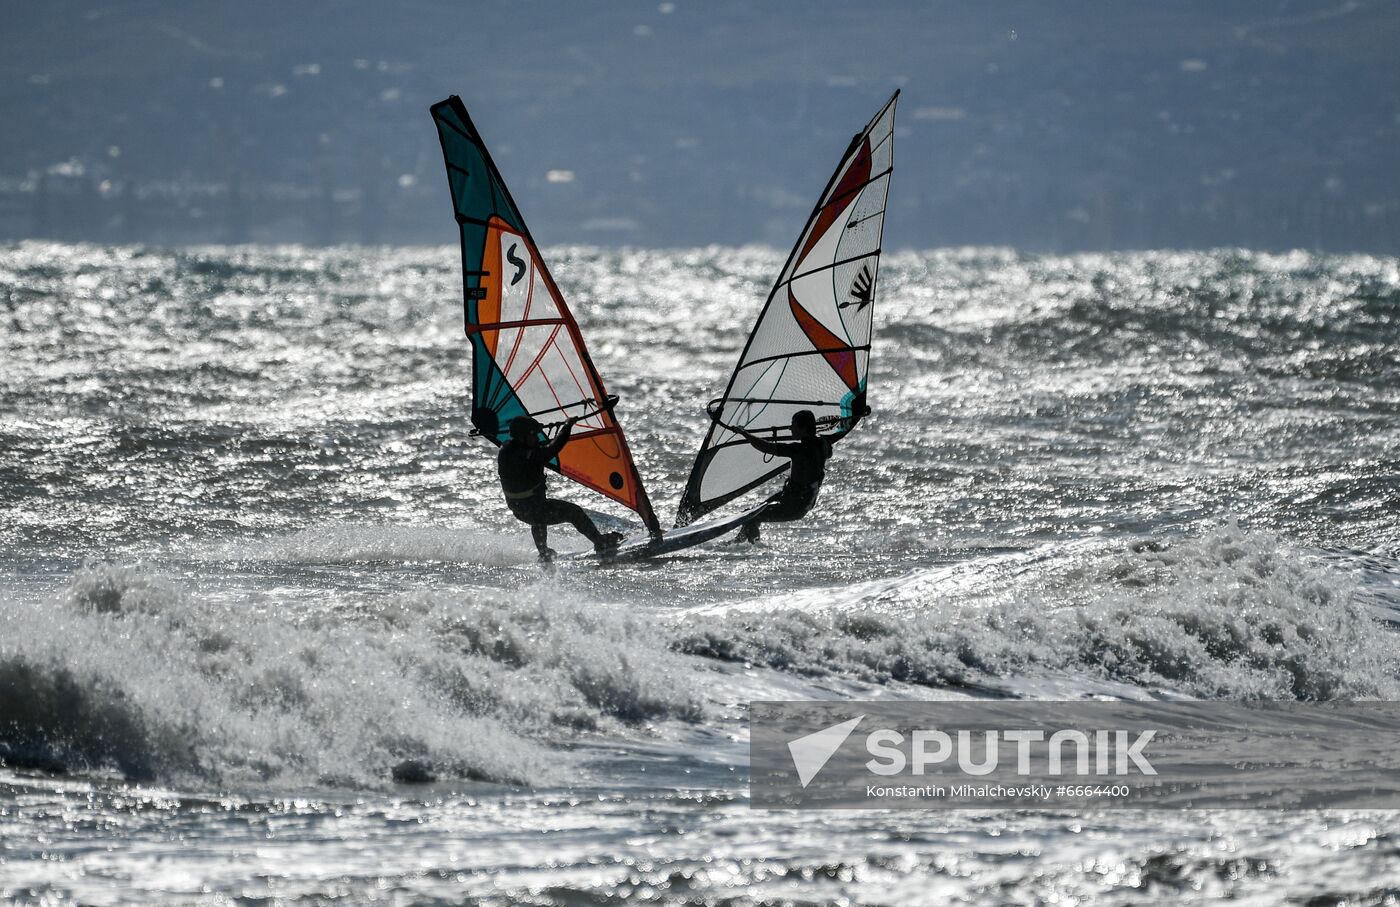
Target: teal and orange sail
528,357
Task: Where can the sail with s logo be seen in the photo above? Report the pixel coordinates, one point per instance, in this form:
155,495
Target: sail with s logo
528,355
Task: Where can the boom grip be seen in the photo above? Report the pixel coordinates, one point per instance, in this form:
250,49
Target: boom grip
606,406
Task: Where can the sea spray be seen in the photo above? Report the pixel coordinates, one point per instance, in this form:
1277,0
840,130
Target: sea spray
359,544
1233,614
129,671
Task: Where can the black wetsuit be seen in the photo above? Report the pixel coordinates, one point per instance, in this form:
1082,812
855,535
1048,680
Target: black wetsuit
522,479
799,493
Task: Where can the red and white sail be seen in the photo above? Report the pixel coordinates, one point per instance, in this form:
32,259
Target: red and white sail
811,346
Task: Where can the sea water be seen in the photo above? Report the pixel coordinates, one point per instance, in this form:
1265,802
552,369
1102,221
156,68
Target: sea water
269,635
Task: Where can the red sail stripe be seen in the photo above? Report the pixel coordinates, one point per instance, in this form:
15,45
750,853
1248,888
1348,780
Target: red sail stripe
843,362
857,174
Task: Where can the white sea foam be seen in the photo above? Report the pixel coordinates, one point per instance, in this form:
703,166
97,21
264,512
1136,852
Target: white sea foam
353,544
129,670
1232,614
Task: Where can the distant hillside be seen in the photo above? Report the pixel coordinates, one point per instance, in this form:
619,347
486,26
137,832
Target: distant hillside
1044,125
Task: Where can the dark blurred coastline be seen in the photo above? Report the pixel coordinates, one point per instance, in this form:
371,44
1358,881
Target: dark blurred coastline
1049,127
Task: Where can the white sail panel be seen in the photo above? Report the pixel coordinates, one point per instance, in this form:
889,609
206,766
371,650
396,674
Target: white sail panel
539,358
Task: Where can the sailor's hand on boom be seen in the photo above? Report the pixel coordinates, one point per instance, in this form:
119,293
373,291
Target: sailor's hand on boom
567,427
563,437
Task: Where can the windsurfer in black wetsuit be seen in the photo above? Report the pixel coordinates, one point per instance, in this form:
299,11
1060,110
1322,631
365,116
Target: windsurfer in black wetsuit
809,454
521,463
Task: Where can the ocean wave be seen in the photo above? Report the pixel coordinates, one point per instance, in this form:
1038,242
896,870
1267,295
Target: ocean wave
1233,614
129,671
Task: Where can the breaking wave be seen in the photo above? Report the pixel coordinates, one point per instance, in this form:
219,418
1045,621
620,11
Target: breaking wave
1231,615
129,671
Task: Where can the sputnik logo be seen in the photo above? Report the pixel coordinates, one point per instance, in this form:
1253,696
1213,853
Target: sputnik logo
811,753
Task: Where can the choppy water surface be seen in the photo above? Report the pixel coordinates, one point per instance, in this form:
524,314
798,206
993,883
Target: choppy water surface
257,577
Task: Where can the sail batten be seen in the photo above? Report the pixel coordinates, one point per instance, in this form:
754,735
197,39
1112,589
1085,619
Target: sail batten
873,253
528,355
810,348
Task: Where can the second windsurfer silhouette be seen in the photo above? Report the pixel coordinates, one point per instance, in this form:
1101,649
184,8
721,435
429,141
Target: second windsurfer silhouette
809,454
